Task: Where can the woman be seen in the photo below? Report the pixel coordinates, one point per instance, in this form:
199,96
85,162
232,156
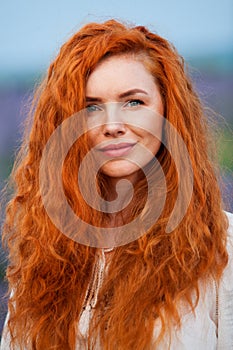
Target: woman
162,284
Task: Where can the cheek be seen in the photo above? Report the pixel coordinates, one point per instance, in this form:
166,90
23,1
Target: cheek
148,125
151,135
153,144
92,137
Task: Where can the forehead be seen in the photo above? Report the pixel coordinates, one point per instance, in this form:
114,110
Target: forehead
119,73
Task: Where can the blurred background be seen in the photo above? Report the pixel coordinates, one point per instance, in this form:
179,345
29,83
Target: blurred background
31,33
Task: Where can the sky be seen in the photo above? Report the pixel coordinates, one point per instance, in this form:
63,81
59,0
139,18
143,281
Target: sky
31,32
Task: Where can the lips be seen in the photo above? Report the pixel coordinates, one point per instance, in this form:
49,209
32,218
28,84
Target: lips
117,150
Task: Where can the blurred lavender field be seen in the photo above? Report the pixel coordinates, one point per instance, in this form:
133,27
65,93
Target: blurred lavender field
214,88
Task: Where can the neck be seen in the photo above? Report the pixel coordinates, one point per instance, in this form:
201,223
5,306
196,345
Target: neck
121,198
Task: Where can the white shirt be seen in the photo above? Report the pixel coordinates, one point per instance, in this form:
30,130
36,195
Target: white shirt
210,327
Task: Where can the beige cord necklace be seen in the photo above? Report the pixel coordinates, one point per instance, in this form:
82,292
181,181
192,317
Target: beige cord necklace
93,290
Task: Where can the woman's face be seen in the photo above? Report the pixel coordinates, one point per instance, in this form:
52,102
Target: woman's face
125,125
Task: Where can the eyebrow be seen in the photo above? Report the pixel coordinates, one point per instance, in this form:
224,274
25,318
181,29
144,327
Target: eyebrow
122,95
133,92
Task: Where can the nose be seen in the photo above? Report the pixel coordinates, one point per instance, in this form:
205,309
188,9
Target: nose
114,125
114,129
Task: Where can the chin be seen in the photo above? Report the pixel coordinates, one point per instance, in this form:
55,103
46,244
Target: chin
119,169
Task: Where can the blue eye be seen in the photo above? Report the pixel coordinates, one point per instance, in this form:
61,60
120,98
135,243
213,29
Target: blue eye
92,108
134,103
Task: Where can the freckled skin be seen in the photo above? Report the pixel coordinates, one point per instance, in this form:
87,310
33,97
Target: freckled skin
111,79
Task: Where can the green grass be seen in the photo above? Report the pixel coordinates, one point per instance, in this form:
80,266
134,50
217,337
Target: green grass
225,150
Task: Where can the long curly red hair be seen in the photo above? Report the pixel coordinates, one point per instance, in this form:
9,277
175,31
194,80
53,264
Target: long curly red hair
49,273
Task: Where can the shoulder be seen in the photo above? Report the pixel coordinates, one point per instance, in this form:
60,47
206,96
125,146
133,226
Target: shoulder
228,272
230,236
225,295
230,222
